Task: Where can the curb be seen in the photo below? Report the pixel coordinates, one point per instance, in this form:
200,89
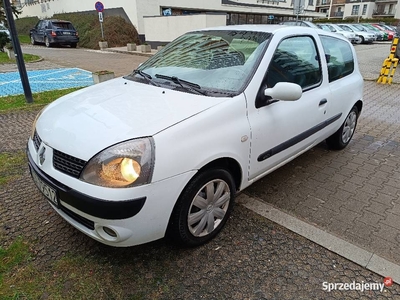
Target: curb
337,245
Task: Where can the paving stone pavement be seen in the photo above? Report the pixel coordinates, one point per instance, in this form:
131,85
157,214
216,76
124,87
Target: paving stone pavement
353,194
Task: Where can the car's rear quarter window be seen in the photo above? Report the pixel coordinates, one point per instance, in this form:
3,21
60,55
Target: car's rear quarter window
339,57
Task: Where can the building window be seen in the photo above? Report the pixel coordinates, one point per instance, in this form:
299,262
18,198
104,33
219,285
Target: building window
310,2
391,9
364,9
354,10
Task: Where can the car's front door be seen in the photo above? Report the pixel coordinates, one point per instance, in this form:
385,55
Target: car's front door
41,31
282,129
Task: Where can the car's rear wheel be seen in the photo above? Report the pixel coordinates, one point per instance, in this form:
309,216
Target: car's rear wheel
73,45
203,208
47,42
341,138
33,42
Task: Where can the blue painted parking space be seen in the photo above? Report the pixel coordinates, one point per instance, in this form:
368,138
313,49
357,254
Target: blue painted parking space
45,80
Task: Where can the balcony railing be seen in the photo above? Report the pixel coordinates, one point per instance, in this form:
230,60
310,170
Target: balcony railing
383,13
323,2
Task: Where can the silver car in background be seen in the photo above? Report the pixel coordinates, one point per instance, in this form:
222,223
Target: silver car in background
364,36
351,36
4,29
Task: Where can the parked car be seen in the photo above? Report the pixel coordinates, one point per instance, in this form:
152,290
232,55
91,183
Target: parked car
378,34
5,30
164,150
51,32
376,30
351,36
363,36
389,32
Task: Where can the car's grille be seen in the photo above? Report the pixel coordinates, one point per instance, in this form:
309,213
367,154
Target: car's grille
68,164
36,140
85,222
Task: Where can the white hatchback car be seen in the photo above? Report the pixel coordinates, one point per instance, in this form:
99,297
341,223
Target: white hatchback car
164,150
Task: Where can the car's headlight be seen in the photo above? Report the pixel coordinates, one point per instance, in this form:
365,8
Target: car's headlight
35,121
126,164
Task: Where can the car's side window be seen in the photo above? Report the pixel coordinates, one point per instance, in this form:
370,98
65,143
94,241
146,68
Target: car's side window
295,60
339,57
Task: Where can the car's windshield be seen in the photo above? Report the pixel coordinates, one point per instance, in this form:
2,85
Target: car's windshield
220,62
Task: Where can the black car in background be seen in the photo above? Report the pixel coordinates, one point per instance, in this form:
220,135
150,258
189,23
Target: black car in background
51,32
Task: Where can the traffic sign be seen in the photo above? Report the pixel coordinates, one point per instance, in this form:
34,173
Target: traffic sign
99,6
100,17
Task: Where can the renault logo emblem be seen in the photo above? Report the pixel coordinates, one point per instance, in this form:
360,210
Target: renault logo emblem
42,156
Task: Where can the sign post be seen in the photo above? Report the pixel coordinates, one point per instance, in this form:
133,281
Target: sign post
100,8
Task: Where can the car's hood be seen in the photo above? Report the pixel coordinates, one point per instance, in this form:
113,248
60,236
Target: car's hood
89,120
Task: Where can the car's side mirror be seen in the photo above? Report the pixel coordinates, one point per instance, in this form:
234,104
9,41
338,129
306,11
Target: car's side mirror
285,91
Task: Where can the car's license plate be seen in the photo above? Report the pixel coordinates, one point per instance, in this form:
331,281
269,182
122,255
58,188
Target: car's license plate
66,33
47,191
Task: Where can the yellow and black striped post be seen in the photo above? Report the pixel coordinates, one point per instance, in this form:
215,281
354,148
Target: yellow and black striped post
389,64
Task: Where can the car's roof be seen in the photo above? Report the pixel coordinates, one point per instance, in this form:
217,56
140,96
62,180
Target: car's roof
258,28
273,29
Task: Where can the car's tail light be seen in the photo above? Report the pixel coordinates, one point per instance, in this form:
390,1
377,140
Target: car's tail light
76,33
53,33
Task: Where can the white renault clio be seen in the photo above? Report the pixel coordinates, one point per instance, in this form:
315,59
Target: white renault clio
164,150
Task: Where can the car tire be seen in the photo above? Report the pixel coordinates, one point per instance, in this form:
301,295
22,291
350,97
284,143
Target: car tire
341,138
73,45
203,208
33,42
47,42
360,40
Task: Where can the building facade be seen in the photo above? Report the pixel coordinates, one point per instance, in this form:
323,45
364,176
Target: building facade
236,12
359,9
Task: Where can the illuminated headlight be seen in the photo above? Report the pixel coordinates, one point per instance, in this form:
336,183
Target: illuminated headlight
123,165
35,121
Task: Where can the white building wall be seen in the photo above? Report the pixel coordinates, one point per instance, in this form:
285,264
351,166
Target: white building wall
175,26
349,7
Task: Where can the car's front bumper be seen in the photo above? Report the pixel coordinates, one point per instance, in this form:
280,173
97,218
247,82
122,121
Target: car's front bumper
132,215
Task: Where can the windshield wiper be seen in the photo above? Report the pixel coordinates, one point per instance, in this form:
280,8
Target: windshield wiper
146,76
187,85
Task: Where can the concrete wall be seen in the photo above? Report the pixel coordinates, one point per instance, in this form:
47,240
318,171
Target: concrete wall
174,26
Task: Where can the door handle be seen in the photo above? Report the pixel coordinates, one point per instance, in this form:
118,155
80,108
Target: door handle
323,101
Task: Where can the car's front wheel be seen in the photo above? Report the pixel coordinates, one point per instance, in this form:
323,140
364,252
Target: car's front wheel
341,138
203,208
